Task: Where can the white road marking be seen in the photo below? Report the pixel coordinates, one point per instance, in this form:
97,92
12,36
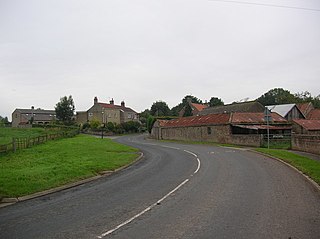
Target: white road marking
142,212
160,200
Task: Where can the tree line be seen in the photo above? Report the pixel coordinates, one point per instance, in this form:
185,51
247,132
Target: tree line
276,96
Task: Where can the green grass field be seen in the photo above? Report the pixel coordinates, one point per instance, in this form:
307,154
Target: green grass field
304,164
59,162
6,134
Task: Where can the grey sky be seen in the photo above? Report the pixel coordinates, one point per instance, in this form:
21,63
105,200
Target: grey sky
149,50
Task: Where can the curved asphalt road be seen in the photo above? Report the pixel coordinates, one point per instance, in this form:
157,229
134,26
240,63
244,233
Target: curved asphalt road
233,194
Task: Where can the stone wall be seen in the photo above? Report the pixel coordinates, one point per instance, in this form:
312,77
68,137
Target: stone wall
214,133
306,143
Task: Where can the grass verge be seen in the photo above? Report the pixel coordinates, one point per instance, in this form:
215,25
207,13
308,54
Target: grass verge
306,165
59,162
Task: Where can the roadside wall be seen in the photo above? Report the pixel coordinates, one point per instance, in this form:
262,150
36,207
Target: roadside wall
306,143
214,133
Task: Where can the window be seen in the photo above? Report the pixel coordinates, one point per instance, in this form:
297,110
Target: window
209,130
90,114
129,116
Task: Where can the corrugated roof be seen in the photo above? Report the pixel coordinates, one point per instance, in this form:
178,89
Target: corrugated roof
250,106
305,108
282,110
256,127
251,118
314,114
214,119
308,124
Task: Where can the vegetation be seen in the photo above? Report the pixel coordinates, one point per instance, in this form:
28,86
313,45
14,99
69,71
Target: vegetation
113,128
214,101
6,134
160,108
304,164
59,162
4,121
65,110
187,111
278,96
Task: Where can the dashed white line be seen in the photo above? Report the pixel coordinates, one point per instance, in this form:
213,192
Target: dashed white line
142,212
159,201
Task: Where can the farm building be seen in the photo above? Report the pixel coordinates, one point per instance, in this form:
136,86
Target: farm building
233,128
27,117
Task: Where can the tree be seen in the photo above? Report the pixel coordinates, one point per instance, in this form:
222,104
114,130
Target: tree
277,96
175,110
187,111
160,108
150,122
215,101
65,110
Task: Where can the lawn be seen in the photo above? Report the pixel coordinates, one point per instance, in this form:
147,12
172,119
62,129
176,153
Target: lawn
306,165
6,134
59,162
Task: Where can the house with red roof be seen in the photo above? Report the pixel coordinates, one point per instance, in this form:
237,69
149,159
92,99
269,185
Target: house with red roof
240,128
105,113
195,108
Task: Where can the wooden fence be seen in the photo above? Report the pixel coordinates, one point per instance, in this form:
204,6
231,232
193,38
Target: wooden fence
22,143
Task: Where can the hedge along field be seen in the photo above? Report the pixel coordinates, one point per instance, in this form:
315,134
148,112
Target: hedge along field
59,162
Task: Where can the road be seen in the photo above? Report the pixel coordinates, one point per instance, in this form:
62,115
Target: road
176,191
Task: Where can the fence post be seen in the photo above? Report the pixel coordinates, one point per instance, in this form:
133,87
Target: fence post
14,146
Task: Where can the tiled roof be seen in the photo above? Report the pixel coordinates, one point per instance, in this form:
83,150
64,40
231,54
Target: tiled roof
36,111
119,107
199,107
250,106
314,114
214,119
254,118
308,124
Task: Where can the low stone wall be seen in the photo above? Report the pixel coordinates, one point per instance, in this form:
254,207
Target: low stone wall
306,143
214,133
254,140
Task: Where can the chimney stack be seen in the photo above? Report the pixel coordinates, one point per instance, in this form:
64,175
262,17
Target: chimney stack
95,100
123,104
112,102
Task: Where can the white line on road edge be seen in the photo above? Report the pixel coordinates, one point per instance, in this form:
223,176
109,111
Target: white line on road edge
142,212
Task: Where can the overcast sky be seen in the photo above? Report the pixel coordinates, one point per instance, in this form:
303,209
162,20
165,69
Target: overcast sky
149,50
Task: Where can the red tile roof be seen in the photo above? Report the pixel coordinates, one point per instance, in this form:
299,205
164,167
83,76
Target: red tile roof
111,106
314,114
308,124
255,118
199,107
214,119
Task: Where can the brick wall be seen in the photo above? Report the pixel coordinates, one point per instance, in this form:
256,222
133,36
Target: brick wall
306,143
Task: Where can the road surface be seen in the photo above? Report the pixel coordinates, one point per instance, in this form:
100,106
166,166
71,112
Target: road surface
176,191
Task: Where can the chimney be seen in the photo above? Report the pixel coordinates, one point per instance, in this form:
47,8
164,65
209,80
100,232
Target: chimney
95,100
112,102
32,107
123,104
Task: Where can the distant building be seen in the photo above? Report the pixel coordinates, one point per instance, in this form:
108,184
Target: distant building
104,113
196,108
233,128
250,106
305,126
288,111
27,117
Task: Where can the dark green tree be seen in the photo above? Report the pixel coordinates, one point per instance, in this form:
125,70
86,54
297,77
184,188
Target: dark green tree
150,122
277,96
187,111
65,110
160,108
215,101
175,110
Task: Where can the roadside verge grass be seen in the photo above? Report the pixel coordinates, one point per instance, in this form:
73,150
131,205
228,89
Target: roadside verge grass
306,165
59,162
